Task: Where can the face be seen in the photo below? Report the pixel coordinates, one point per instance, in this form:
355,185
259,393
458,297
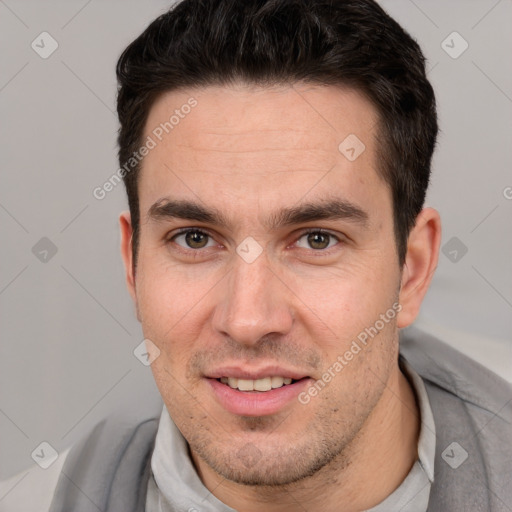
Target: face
265,251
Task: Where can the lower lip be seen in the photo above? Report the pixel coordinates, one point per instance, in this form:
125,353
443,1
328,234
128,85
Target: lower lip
256,403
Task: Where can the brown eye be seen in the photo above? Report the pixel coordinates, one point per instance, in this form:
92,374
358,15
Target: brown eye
317,240
193,239
196,239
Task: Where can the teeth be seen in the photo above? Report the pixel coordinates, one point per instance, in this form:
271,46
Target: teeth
245,385
264,384
277,382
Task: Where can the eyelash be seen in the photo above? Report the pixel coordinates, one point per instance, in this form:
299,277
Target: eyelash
196,252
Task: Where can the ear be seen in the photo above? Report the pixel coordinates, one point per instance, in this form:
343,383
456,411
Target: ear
125,224
420,264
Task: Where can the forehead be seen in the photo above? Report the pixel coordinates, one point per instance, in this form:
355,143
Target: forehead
245,145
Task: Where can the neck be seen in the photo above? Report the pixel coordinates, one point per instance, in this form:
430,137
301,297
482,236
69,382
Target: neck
380,458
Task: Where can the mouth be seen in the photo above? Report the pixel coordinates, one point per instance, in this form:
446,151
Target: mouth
262,396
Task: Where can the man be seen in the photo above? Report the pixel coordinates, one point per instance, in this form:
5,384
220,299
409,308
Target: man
276,156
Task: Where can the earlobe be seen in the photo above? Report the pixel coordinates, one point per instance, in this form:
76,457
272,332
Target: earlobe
126,251
420,264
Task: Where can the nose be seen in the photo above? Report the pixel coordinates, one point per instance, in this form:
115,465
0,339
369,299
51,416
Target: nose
254,303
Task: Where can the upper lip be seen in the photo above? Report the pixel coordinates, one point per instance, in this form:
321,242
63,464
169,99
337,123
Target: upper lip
255,374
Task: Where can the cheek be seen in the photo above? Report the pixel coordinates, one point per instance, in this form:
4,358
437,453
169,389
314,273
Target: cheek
359,367
343,302
169,303
176,303
166,290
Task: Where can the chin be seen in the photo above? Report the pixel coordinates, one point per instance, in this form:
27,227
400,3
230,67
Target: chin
270,467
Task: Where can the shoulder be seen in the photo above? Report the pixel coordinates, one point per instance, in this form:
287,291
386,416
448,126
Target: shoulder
88,467
31,490
457,375
472,410
109,465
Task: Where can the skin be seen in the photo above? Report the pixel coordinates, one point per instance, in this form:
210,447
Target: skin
250,152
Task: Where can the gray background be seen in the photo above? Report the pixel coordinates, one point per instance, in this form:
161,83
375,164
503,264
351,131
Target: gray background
68,328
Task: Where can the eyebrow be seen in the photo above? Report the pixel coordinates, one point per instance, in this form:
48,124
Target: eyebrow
334,209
